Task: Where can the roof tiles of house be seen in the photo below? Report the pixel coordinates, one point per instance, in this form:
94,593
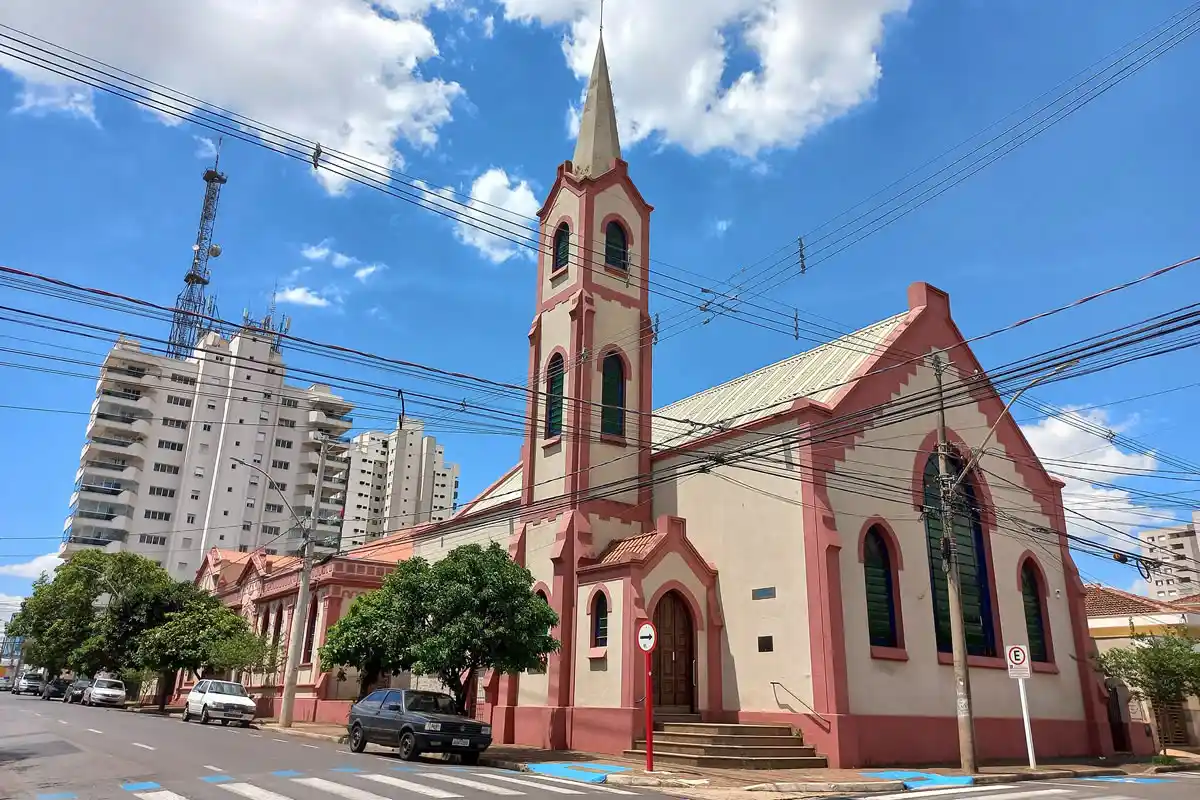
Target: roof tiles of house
634,548
1105,601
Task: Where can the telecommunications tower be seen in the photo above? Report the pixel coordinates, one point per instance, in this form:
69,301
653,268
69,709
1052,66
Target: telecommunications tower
191,307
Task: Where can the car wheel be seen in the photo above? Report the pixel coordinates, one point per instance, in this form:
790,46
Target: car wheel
185,716
358,739
245,724
225,722
470,759
204,718
408,746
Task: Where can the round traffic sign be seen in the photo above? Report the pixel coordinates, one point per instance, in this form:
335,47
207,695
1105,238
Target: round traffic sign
1017,655
647,637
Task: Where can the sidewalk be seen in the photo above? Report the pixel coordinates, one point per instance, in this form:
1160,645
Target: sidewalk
721,784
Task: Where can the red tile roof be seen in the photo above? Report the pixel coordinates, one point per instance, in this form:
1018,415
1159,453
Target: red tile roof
633,548
1105,601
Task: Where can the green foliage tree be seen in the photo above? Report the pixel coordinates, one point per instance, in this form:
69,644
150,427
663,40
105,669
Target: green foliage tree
1161,669
375,635
201,638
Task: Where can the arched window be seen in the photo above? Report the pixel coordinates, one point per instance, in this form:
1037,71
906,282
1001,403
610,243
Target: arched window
881,591
978,614
555,379
616,246
562,247
1035,620
600,621
612,396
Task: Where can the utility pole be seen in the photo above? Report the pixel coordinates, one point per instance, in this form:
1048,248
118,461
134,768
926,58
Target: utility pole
947,483
291,672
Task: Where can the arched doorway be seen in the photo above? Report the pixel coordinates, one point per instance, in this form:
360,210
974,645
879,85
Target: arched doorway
674,659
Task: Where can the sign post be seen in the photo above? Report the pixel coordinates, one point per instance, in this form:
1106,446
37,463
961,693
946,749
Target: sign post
1017,658
647,638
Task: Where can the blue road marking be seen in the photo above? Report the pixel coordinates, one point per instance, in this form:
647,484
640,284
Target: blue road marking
581,771
287,773
215,778
346,769
59,796
140,787
915,780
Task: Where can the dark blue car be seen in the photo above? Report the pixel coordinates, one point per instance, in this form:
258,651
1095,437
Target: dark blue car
416,722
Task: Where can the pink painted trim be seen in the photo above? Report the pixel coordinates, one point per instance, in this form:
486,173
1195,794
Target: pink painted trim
1043,588
614,349
541,586
599,588
983,662
889,653
895,564
598,652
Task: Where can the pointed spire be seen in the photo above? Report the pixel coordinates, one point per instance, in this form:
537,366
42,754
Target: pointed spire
598,144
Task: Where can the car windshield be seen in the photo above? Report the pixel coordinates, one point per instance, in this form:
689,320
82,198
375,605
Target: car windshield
110,685
429,702
225,687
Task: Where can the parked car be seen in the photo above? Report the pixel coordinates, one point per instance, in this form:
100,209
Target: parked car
416,722
5,683
54,689
29,683
223,700
74,692
104,692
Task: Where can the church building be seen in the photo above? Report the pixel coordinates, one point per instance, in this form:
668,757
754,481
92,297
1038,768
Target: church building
774,528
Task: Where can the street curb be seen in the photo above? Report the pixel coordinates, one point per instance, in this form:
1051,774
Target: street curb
857,787
305,734
617,779
1159,768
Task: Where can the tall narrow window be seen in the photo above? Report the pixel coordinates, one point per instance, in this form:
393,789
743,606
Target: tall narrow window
310,633
562,247
541,668
612,396
881,591
616,246
555,380
1035,621
972,564
600,621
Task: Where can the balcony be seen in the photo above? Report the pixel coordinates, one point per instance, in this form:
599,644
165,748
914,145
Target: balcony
120,424
124,399
106,466
86,538
128,449
336,425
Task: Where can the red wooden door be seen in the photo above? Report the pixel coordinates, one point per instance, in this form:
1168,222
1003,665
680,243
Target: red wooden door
674,657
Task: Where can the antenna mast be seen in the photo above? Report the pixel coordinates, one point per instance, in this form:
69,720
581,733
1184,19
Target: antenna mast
191,305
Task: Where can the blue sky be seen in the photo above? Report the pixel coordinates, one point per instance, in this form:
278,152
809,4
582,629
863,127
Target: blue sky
479,97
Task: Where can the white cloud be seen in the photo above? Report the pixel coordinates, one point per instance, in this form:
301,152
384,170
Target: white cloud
303,296
722,225
497,204
362,273
32,569
1093,458
813,60
340,260
334,71
206,148
9,605
489,27
316,252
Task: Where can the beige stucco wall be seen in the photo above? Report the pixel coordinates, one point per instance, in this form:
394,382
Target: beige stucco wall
614,201
674,568
598,679
499,528
606,530
921,686
750,526
533,687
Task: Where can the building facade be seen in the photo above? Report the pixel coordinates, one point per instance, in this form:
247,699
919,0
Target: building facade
171,465
1178,551
396,480
776,528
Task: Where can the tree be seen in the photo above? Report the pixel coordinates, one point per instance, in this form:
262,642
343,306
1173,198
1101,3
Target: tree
375,635
201,638
479,611
1161,669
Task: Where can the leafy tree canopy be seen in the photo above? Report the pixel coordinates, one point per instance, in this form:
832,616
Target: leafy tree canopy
202,638
1160,669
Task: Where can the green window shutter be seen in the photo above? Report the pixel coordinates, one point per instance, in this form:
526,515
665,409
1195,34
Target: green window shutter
555,380
612,397
562,247
881,598
600,622
616,247
1035,623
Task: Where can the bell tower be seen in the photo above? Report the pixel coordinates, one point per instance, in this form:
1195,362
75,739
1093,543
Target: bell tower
586,457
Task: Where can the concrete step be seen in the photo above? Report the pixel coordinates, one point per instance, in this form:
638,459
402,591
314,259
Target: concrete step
730,762
661,718
664,738
729,751
719,729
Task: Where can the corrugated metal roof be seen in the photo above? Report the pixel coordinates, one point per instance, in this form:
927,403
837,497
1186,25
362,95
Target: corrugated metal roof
505,491
816,374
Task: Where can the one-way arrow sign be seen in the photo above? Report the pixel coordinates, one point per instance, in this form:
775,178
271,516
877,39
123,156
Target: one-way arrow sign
647,637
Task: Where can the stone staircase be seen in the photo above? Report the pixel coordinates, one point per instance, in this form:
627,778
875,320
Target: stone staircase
683,740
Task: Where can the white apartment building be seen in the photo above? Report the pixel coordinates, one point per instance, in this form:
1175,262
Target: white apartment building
159,473
397,480
1179,553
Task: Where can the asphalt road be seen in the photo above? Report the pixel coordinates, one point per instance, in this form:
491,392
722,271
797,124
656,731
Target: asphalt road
1169,786
53,751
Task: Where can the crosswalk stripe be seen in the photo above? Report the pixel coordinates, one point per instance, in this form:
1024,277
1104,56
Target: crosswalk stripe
419,788
252,792
939,792
161,794
1023,795
544,787
596,786
470,784
340,789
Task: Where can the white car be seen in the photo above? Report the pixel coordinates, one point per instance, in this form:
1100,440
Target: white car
104,692
223,700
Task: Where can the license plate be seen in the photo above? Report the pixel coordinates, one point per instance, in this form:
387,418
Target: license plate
460,742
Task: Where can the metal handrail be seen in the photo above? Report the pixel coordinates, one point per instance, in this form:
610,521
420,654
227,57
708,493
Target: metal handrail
814,712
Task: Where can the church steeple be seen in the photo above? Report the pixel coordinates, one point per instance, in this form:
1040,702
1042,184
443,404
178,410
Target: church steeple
598,144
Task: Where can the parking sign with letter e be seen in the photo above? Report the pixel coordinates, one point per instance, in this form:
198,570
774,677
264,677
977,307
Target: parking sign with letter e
1017,658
